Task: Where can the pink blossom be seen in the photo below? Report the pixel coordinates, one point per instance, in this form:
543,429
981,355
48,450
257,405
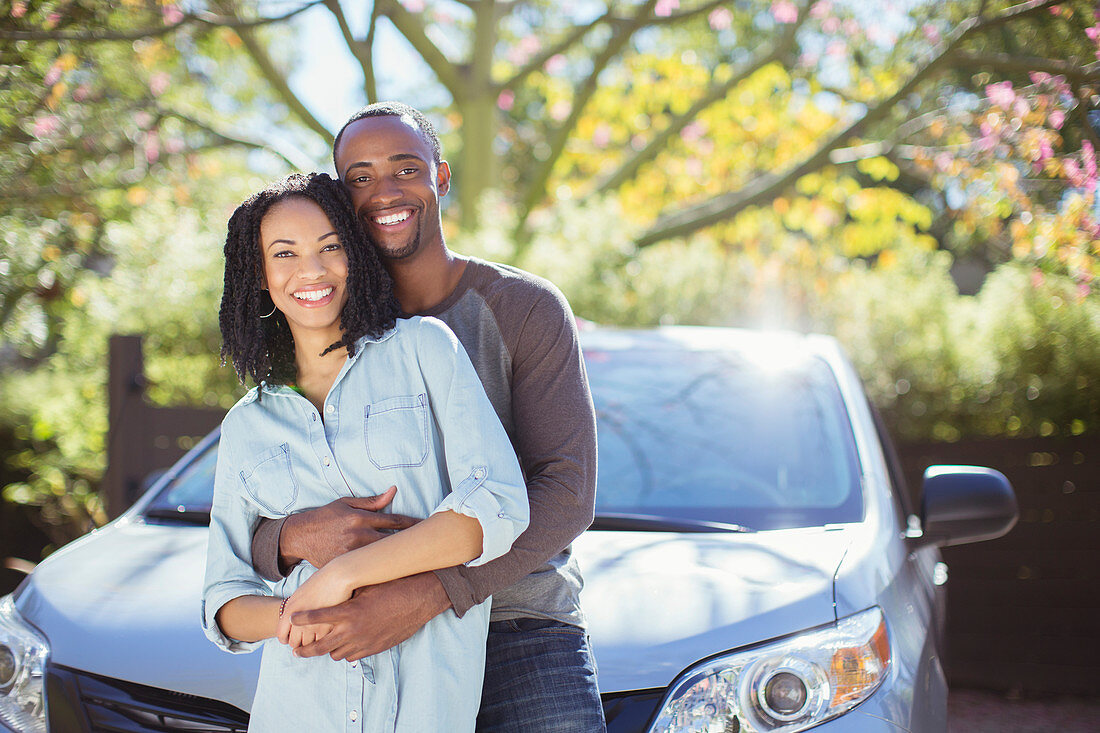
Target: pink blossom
46,125
52,76
720,19
413,6
602,135
506,99
1037,278
1020,108
158,83
527,47
1093,33
143,119
1088,155
560,110
1046,151
1057,118
1001,94
171,14
1083,290
18,9
81,93
821,8
931,33
943,162
555,64
173,145
836,48
830,24
693,131
664,8
784,11
851,27
53,19
1073,173
1038,77
151,148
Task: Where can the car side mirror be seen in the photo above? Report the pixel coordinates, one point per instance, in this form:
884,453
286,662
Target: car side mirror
961,504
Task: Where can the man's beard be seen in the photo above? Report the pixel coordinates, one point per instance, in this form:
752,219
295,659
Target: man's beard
408,250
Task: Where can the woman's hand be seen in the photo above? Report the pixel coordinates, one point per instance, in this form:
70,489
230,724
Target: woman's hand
325,588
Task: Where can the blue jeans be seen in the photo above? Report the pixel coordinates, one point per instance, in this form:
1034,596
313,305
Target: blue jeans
540,677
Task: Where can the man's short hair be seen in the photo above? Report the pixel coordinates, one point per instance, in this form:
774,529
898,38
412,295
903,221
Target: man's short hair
393,109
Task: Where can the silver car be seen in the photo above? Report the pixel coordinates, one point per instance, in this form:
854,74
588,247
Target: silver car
755,564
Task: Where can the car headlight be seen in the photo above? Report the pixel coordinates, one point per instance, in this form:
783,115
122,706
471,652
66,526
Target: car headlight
782,687
23,654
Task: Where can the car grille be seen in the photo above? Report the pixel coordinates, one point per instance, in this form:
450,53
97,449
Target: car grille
80,702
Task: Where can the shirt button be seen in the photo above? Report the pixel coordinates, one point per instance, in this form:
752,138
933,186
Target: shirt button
330,409
479,473
500,515
354,665
354,715
326,460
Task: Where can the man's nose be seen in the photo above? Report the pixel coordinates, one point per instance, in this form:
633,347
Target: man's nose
385,191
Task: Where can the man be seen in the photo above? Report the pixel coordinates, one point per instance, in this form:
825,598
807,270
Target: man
521,337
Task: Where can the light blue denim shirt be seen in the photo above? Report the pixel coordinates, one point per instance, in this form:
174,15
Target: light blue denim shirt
407,409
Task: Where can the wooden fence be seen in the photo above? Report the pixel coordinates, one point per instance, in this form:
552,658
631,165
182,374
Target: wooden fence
1024,610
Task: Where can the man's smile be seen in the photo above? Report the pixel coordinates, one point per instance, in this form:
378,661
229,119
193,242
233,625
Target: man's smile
392,218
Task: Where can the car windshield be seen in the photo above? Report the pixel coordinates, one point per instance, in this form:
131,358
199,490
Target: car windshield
691,438
714,436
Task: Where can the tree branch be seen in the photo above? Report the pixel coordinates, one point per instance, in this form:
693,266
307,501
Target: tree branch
360,50
770,185
279,82
1007,62
188,18
716,92
225,138
674,17
620,36
540,59
412,28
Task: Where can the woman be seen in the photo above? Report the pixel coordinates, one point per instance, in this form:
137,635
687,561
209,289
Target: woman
348,399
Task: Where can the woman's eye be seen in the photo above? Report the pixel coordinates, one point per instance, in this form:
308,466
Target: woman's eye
332,247
283,254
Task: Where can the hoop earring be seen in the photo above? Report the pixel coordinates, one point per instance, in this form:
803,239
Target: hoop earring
269,315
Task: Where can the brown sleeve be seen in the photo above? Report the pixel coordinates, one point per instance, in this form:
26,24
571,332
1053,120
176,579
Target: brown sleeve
265,548
555,437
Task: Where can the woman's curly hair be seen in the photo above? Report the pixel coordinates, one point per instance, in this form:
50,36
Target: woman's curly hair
262,347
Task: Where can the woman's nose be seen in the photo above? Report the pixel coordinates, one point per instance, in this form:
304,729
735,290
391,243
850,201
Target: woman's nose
310,266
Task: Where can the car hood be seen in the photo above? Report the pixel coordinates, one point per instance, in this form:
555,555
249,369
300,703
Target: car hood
659,602
124,602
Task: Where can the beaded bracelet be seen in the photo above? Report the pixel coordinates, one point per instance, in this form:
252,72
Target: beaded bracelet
282,606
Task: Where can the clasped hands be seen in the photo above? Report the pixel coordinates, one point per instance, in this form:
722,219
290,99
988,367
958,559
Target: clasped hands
319,536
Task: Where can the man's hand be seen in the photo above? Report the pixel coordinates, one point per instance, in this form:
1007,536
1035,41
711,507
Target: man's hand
376,618
321,534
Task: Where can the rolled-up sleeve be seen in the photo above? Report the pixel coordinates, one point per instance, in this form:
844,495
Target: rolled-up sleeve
486,480
229,572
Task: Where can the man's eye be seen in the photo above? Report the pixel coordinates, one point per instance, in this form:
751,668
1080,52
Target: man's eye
360,179
408,171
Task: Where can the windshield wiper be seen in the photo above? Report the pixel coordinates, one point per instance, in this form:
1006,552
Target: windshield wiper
186,516
649,523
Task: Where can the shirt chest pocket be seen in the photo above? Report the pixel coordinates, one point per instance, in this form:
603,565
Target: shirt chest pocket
396,431
270,480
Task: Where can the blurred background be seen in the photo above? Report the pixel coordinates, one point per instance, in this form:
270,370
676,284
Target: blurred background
915,177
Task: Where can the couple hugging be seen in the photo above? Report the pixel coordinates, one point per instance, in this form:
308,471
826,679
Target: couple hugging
382,359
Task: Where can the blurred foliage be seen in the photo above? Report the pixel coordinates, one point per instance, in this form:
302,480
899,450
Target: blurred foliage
766,163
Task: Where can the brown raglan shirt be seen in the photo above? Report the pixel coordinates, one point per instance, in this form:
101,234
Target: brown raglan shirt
521,336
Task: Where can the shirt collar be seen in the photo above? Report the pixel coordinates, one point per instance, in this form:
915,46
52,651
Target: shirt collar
360,345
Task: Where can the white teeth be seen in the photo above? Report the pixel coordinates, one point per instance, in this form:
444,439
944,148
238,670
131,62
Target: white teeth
313,294
393,218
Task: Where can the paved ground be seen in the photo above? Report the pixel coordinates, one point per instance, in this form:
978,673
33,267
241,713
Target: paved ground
973,711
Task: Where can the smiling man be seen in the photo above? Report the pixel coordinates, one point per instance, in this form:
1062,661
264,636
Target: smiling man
521,336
